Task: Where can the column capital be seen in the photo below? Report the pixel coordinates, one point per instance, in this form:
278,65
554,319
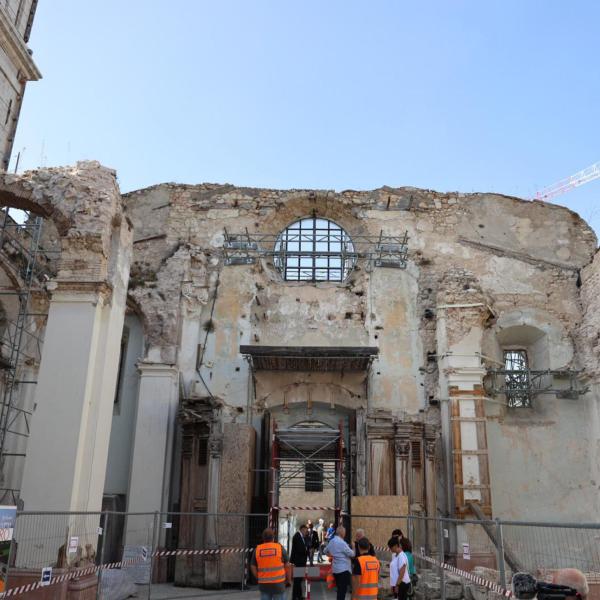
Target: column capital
152,369
80,291
402,448
430,446
215,445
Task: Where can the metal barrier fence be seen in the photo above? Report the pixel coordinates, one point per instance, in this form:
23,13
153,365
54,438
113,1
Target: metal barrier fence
105,555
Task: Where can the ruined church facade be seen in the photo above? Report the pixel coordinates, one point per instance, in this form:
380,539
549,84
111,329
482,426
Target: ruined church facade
202,345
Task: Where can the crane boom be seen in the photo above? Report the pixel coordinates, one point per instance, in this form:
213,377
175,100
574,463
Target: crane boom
564,185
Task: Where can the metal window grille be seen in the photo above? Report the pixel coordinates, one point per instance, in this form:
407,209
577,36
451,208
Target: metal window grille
314,249
313,477
517,379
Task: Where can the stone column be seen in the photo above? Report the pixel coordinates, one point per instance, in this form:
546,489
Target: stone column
152,453
70,430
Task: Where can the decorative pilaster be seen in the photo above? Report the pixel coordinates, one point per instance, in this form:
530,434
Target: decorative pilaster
417,496
361,453
212,573
152,454
431,438
402,454
460,325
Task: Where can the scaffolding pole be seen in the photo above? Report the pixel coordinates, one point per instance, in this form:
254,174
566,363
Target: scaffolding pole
19,249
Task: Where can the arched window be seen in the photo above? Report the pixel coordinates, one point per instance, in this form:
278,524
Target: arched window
314,249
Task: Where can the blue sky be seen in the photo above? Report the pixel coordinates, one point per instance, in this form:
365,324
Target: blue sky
482,95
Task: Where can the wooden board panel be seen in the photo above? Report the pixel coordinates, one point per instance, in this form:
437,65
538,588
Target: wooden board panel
379,516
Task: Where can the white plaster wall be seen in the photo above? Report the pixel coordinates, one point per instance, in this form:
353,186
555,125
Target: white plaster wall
69,355
540,462
123,420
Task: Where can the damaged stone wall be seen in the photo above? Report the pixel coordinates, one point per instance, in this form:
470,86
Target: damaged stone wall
501,253
84,287
588,346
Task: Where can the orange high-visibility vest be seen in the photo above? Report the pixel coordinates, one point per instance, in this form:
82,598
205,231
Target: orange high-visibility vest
330,579
269,561
369,577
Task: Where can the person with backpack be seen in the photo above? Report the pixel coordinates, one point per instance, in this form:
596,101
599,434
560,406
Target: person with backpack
412,571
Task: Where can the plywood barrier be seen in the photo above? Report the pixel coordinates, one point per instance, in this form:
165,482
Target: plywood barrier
379,516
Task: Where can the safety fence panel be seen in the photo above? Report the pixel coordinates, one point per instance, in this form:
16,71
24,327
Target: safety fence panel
540,549
61,539
128,543
112,555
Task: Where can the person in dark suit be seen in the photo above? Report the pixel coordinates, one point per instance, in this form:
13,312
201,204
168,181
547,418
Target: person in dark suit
313,542
298,559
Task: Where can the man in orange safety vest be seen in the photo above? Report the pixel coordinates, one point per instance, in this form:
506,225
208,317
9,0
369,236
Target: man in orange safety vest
365,573
270,566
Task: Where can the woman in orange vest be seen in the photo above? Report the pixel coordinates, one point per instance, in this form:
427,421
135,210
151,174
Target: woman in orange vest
365,574
270,566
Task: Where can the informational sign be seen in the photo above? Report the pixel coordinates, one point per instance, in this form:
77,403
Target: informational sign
445,533
73,544
8,518
46,576
99,531
466,552
167,525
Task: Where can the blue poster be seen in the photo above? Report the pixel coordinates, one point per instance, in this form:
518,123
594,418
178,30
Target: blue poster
8,516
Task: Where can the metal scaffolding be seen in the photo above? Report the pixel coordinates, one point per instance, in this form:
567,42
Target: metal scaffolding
520,386
289,250
307,454
20,342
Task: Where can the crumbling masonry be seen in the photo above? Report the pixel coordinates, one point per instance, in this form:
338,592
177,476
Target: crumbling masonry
232,337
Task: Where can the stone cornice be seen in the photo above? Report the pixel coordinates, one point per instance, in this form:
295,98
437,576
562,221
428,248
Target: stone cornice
16,49
80,291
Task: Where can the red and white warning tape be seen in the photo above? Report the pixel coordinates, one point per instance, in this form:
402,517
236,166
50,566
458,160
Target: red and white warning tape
30,587
23,589
490,585
304,508
162,553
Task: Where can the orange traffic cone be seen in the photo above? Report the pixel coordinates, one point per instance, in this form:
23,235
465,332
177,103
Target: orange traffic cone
330,578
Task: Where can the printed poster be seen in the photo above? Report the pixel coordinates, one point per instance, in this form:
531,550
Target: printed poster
8,518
